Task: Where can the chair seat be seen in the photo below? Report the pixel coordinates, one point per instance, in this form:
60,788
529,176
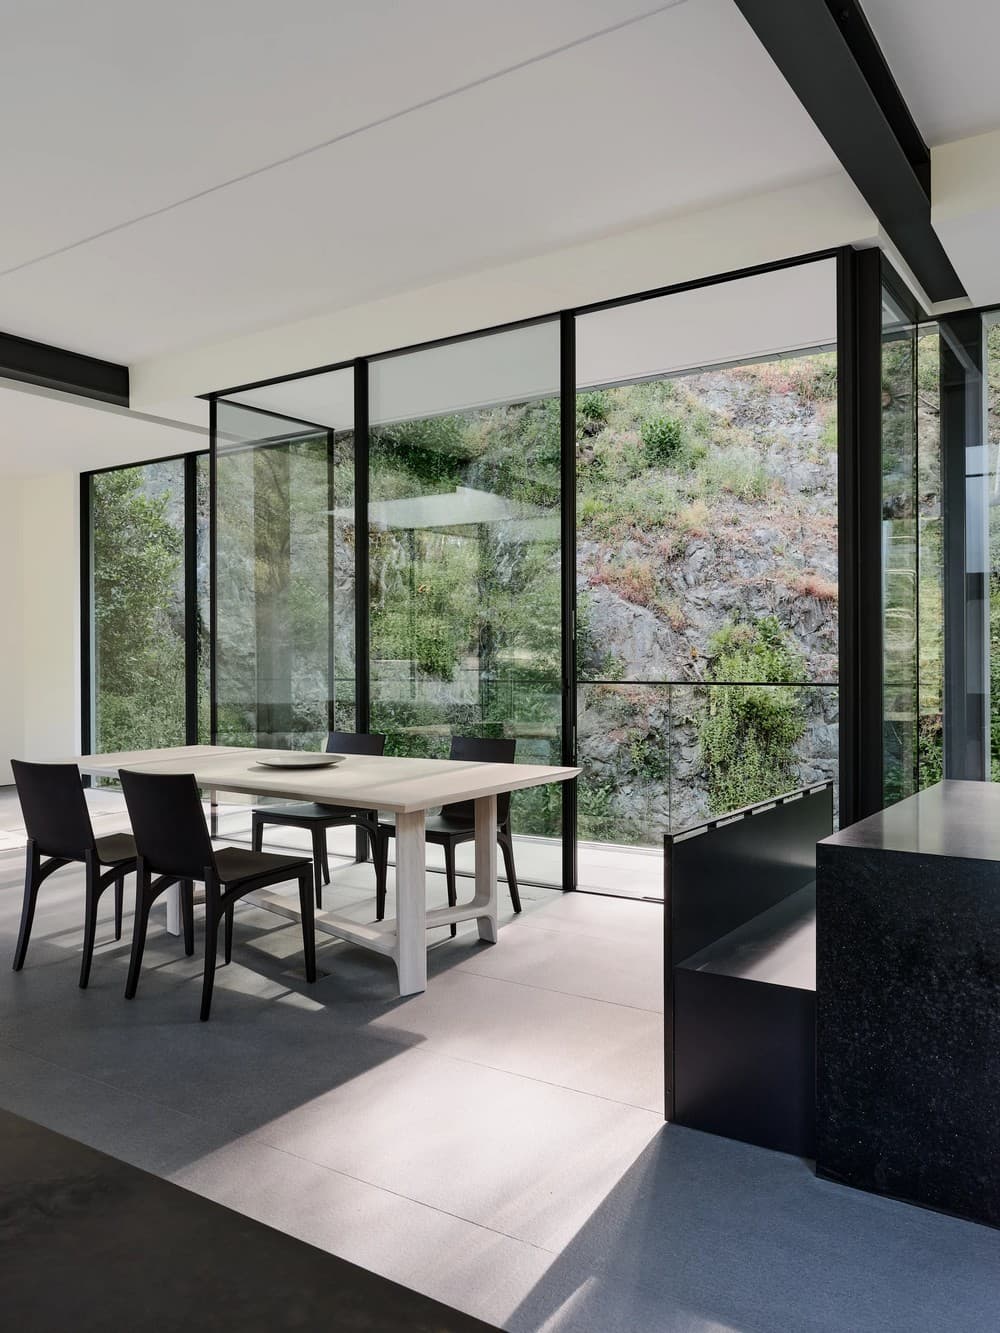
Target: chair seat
238,863
115,848
306,812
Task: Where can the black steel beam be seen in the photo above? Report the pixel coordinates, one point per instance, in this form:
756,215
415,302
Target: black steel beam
567,417
362,591
859,415
55,368
833,64
191,635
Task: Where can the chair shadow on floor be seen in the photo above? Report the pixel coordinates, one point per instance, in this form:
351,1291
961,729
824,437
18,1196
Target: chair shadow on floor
274,1044
706,1235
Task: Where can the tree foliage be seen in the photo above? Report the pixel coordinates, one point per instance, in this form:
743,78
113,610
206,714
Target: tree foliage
138,614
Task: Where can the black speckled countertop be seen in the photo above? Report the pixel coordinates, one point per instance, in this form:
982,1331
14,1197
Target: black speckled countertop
92,1244
960,819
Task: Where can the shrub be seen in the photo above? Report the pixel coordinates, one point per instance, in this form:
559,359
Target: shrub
663,438
592,406
749,730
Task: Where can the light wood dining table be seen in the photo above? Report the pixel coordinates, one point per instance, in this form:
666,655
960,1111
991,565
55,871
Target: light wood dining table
407,788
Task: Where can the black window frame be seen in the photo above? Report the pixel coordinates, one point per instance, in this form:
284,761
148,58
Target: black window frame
191,626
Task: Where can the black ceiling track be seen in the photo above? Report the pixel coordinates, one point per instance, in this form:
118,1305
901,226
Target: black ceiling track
830,58
70,372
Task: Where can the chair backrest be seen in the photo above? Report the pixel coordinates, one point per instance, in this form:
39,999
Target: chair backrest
54,808
168,822
355,742
489,750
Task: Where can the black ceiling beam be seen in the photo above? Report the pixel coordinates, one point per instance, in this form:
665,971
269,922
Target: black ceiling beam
70,372
830,58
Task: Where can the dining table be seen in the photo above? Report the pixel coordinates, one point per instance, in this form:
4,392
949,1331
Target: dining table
405,787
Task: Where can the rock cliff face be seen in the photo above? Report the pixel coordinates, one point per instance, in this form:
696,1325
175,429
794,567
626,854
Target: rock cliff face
751,533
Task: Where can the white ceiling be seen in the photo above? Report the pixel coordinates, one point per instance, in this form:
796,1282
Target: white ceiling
131,225
943,55
43,432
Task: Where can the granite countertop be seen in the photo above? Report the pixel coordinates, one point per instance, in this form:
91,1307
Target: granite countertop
958,819
93,1244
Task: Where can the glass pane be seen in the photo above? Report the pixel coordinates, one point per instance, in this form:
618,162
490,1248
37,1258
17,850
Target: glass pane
464,558
137,517
930,554
990,483
706,556
899,552
285,578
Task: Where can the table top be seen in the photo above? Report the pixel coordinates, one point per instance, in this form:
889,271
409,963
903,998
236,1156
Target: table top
952,818
367,782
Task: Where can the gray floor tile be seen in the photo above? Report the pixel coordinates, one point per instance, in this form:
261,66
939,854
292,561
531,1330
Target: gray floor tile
102,1116
705,1234
592,966
575,1042
474,1268
526,1158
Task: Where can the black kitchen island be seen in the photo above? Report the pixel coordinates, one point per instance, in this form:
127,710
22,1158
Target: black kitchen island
908,1001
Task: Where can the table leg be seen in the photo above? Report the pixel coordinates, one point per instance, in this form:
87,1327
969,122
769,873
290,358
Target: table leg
213,813
411,903
486,866
174,910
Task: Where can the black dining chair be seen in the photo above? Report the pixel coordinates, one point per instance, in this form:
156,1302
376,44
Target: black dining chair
456,823
58,825
318,818
173,844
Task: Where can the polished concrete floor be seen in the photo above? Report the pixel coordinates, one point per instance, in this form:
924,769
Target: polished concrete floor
496,1143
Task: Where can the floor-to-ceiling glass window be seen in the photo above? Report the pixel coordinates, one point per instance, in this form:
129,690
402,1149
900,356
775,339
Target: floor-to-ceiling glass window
140,568
284,567
930,560
985,480
899,549
706,560
464,551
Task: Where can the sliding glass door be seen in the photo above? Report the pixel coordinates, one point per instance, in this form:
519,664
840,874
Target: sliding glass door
706,560
464,560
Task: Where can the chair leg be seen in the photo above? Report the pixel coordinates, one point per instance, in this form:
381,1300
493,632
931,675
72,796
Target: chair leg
361,840
381,874
326,858
318,854
449,872
119,905
90,917
187,914
258,833
228,945
212,914
143,903
308,926
507,847
33,864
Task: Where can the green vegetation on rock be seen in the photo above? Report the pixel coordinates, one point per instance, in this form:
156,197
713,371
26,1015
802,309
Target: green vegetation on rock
748,731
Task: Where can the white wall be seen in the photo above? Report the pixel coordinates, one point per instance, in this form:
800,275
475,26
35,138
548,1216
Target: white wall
39,618
11,625
51,584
